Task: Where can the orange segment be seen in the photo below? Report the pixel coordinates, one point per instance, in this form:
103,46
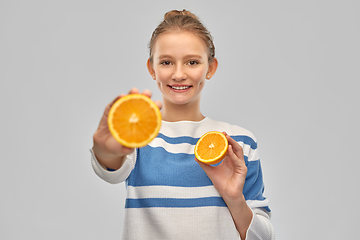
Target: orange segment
134,120
211,148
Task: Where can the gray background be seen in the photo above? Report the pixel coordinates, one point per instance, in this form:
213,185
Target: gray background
288,72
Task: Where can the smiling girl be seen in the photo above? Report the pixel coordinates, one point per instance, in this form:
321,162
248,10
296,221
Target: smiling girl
171,195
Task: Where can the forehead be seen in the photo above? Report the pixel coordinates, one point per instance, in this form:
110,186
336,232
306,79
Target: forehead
179,43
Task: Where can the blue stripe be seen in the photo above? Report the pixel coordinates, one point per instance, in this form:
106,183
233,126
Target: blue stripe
254,185
156,166
178,140
175,202
246,140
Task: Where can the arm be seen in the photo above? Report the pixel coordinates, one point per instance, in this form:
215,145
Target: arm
229,179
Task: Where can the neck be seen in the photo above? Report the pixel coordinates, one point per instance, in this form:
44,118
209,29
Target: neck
174,113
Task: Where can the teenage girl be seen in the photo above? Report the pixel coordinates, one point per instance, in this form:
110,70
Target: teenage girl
171,195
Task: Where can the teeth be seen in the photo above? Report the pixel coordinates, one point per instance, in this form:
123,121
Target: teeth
179,88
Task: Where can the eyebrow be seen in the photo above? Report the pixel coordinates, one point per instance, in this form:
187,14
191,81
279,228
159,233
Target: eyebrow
193,56
164,56
186,56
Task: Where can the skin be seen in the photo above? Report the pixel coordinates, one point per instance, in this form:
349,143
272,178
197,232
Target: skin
180,60
180,68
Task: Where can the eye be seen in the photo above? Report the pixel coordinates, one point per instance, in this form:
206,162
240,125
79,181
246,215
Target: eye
193,62
165,63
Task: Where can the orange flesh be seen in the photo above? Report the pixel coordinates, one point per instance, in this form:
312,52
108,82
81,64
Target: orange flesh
134,120
125,123
211,146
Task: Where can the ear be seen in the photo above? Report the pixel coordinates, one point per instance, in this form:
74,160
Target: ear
150,68
212,68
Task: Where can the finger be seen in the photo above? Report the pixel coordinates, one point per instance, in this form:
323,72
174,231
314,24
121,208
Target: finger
147,92
237,149
234,158
134,90
158,103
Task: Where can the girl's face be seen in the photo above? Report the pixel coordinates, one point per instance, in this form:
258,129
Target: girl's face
180,66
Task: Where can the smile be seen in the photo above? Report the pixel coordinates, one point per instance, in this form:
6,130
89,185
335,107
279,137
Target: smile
180,87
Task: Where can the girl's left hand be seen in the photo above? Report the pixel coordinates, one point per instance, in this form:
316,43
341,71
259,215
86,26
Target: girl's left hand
229,176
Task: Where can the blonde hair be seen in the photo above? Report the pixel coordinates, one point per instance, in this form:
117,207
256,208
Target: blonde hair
186,21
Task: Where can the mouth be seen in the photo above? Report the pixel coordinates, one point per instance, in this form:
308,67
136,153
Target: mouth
179,87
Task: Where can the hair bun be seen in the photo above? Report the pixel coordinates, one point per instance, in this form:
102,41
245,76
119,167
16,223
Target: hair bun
184,21
175,13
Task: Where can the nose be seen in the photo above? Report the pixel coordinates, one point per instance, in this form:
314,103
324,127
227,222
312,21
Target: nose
179,74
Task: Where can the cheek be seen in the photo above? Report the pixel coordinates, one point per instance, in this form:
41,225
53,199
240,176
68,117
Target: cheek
162,75
199,76
159,84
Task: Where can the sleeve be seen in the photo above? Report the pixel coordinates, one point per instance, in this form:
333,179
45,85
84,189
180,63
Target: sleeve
116,176
260,227
254,185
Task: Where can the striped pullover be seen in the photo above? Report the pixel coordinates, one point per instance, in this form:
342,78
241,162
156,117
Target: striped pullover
170,197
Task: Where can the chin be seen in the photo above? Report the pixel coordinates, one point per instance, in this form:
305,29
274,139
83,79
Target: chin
180,101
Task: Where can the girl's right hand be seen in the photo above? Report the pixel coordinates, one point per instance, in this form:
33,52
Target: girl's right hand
109,152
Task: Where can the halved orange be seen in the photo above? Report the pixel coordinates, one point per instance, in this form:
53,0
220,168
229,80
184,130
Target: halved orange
134,120
211,148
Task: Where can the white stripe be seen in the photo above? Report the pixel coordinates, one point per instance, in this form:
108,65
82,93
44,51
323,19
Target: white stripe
189,149
257,203
171,192
253,155
173,148
210,223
